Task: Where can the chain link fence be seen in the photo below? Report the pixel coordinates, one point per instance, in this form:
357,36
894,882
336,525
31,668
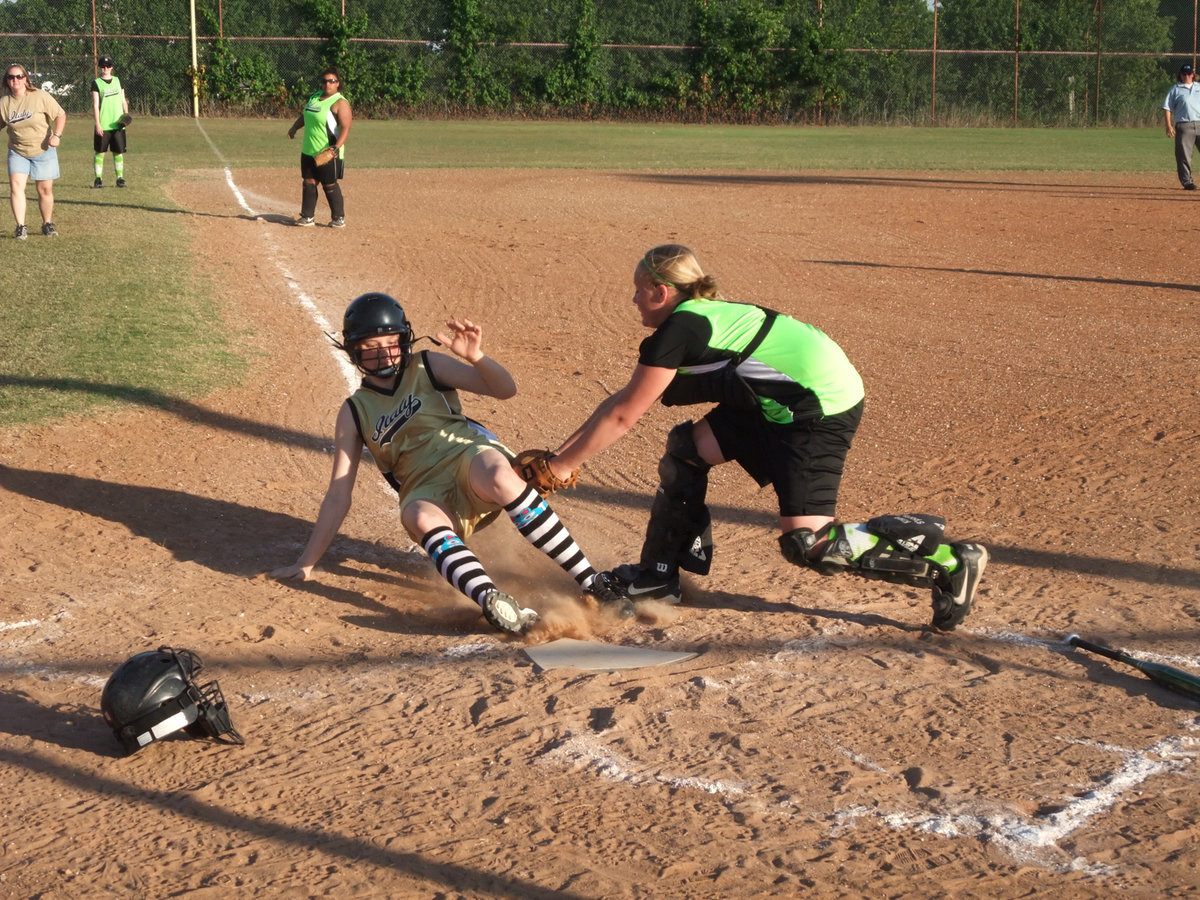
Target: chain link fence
1113,68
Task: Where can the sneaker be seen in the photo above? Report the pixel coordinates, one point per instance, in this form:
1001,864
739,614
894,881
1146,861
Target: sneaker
49,230
637,584
339,222
21,233
1189,187
98,183
120,182
305,221
609,597
953,604
506,614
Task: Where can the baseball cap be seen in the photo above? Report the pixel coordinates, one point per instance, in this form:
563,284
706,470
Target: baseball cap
1185,69
107,61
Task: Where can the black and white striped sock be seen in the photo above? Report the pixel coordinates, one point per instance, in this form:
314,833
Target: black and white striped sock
457,563
541,527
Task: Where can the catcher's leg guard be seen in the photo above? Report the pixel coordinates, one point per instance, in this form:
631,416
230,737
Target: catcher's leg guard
679,535
899,549
333,196
308,200
905,549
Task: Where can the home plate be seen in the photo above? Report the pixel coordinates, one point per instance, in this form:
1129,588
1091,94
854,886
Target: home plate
567,653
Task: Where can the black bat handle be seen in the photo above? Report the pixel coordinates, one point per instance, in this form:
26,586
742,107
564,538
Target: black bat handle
1076,641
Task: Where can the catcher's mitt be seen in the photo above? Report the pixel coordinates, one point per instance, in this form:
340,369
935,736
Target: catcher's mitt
124,120
325,157
533,466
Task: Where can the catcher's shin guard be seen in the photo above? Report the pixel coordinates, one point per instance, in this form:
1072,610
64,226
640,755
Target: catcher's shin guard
900,549
679,534
905,549
337,204
308,200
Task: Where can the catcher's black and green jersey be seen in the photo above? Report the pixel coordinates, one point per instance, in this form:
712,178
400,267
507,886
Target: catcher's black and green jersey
111,107
320,125
422,442
797,372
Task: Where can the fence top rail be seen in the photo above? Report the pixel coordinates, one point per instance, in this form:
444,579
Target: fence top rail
919,51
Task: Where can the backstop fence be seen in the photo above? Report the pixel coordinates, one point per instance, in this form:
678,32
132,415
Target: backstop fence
906,62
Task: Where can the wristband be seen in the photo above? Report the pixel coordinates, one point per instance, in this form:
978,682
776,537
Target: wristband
56,134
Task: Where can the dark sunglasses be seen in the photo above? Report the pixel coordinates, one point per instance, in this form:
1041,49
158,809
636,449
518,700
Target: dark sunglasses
13,77
330,80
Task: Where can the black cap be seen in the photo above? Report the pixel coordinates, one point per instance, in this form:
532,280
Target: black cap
1186,69
106,61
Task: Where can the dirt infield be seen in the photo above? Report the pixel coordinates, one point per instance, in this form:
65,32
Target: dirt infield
1029,345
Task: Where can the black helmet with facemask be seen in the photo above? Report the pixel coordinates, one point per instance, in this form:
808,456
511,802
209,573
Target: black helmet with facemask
372,315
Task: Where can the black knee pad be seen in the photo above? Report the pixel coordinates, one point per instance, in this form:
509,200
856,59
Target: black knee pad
796,544
682,474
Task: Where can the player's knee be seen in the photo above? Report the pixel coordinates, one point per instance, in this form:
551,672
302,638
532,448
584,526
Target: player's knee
797,544
682,466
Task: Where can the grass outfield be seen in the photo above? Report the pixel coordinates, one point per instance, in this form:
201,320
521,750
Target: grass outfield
116,310
555,145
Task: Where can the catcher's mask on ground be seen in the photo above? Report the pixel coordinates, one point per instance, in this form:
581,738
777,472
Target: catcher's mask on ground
372,315
156,694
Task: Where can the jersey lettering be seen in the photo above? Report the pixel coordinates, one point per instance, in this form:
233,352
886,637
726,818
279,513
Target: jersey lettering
387,425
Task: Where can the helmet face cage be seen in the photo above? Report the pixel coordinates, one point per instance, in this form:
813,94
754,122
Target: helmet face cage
372,315
156,694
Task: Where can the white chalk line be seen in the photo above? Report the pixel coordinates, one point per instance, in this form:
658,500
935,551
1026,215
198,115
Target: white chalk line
306,302
615,766
1036,840
1027,840
1061,645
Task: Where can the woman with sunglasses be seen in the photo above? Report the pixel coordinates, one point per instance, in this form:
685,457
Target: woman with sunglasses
326,122
35,123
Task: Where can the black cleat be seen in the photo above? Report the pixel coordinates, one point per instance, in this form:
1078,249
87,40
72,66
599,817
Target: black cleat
637,584
952,604
610,598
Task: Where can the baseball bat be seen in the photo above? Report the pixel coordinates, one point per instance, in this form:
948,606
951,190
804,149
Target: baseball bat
1177,680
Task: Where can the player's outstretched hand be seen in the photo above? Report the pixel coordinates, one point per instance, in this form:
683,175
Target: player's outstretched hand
300,573
464,340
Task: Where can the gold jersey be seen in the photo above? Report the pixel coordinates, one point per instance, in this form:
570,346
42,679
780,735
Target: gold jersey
423,444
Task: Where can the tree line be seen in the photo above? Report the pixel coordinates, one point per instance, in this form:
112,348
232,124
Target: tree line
1042,62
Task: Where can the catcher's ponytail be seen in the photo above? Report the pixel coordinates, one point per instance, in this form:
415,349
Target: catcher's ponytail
675,265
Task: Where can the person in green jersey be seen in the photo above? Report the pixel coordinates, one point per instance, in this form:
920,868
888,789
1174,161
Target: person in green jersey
452,475
326,120
788,403
108,106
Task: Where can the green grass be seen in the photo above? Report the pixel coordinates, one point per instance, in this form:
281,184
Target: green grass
118,309
112,311
555,145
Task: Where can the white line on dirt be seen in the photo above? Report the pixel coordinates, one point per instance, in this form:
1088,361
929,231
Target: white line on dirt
306,302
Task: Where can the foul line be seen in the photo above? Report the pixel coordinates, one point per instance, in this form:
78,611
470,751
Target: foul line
306,302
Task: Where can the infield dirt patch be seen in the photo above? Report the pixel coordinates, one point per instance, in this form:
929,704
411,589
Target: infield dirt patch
1029,346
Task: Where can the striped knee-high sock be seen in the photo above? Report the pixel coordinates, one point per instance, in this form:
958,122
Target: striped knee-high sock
541,527
457,564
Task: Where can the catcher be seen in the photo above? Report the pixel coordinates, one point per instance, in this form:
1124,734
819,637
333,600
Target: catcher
788,403
326,120
453,476
110,111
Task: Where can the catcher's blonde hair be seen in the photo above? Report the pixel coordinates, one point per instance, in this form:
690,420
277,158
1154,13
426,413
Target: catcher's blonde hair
676,266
